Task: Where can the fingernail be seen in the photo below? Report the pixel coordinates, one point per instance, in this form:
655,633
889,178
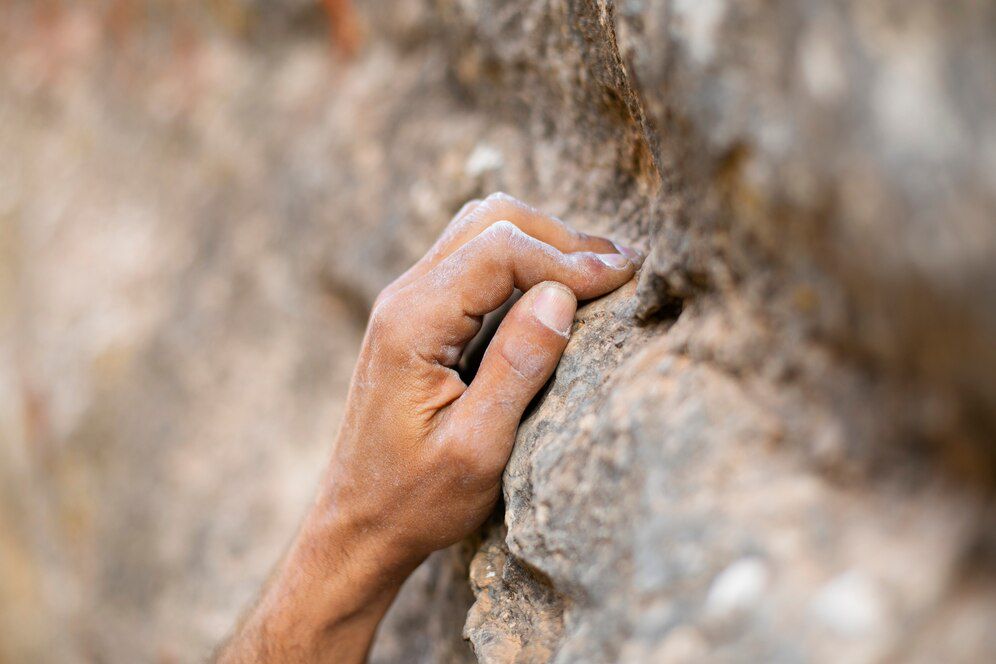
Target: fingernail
615,261
634,255
554,307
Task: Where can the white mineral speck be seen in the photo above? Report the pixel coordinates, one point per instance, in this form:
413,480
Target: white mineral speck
849,605
911,105
821,67
700,20
737,588
484,159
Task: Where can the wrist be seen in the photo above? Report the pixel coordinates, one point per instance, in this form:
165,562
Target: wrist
331,589
348,568
353,567
364,527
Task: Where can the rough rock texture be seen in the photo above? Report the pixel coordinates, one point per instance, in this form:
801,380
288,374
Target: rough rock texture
778,444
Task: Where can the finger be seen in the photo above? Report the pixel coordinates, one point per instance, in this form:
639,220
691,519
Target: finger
435,254
543,227
481,275
470,359
477,216
520,359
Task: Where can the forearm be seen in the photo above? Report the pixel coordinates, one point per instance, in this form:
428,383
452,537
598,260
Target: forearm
325,599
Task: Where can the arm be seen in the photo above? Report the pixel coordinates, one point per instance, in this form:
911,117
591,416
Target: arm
418,460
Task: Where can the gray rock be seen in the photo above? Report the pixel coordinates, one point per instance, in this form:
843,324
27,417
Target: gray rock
775,445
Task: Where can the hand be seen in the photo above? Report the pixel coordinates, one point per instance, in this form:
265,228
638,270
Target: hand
418,460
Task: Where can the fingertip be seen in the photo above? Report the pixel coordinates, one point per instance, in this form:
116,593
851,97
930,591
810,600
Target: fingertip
635,256
554,306
599,274
615,261
594,243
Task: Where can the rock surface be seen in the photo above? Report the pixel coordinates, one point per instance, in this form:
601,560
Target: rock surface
776,445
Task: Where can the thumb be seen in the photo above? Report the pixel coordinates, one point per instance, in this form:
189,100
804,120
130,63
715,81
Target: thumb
519,360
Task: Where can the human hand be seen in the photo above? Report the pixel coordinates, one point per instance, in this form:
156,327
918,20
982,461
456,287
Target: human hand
418,460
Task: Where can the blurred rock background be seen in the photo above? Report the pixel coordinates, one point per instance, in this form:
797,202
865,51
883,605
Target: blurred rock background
778,445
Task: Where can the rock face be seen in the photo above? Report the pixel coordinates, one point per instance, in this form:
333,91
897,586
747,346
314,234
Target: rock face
778,448
777,444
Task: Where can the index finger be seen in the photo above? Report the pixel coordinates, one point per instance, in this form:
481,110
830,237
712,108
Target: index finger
477,216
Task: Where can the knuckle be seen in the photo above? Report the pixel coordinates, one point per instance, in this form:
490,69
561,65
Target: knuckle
500,197
381,298
384,316
503,231
467,214
501,203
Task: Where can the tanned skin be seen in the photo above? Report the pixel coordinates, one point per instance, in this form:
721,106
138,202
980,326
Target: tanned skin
417,462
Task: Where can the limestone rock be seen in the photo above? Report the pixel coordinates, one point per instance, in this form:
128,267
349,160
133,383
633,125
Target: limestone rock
743,461
777,444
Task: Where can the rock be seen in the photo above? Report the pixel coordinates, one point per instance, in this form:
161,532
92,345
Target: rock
770,157
776,444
